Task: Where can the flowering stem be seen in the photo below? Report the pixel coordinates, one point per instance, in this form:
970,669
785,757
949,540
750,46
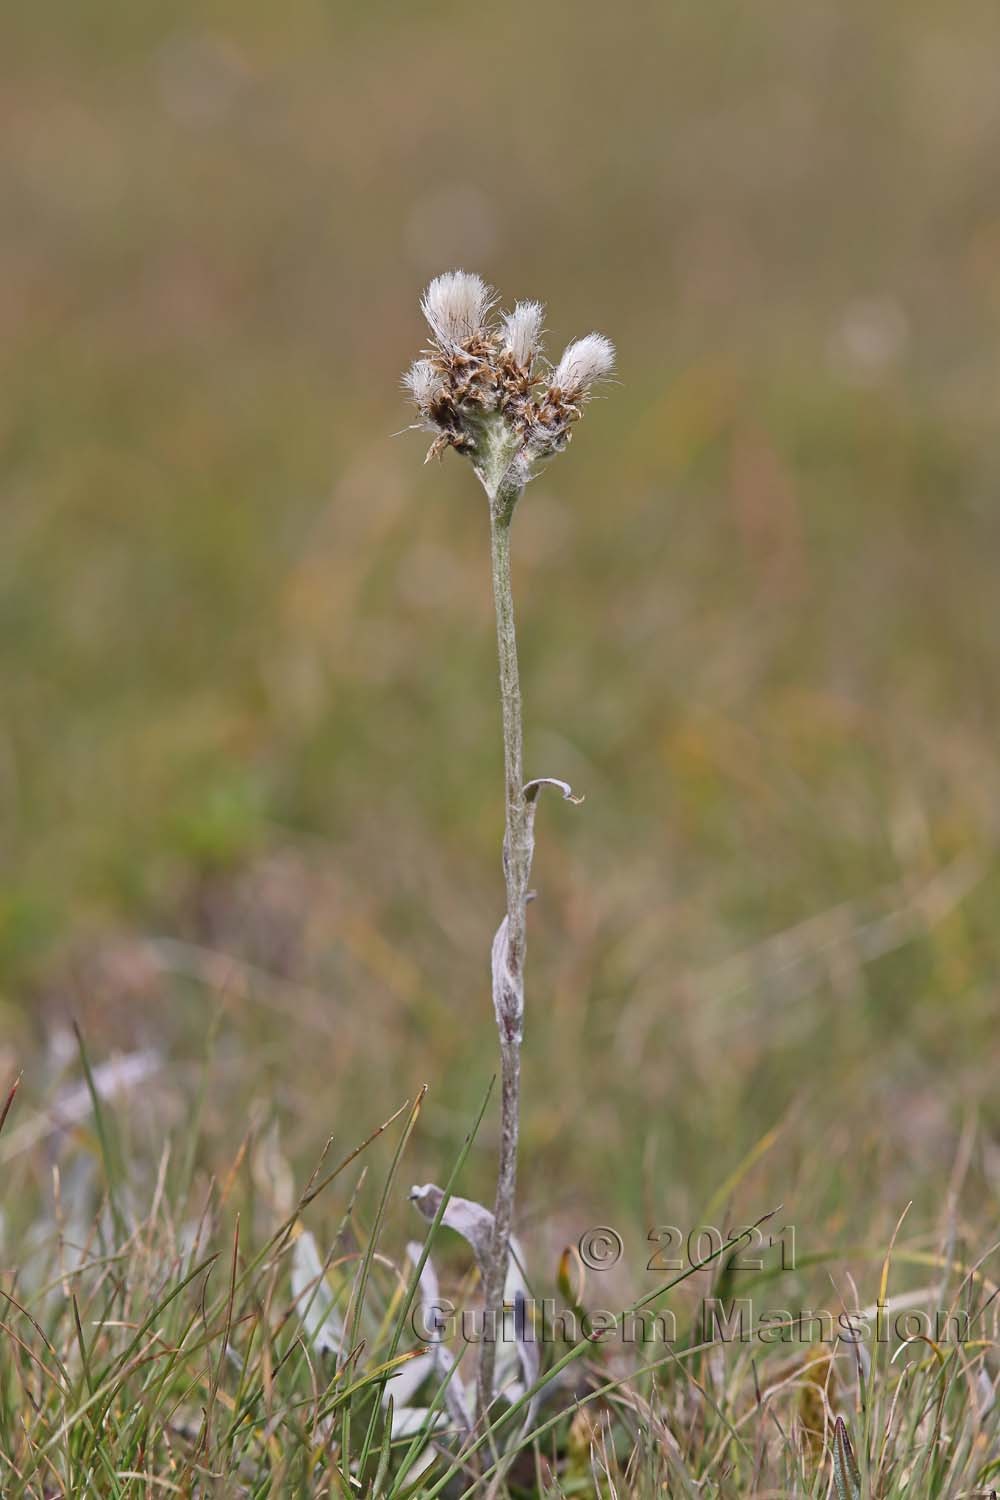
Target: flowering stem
481,389
508,962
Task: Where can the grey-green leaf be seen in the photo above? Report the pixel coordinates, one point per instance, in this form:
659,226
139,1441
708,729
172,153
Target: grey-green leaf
845,1468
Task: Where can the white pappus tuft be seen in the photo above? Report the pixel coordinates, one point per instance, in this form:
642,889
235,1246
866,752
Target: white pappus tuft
423,382
456,306
584,361
522,331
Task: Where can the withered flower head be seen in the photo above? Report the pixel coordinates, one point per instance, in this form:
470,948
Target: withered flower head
584,361
456,305
522,332
422,381
483,388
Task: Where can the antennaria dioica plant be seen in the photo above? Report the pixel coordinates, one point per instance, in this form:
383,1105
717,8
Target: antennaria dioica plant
484,388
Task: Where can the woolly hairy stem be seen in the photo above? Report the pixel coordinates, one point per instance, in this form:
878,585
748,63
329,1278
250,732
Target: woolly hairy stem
517,853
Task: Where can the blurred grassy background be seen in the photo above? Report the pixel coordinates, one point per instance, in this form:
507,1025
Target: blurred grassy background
248,671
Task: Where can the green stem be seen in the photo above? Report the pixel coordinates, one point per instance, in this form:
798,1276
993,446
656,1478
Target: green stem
517,853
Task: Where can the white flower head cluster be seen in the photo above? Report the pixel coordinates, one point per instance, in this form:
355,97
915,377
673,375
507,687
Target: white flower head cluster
484,386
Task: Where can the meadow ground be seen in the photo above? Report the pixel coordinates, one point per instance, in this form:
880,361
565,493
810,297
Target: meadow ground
250,778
